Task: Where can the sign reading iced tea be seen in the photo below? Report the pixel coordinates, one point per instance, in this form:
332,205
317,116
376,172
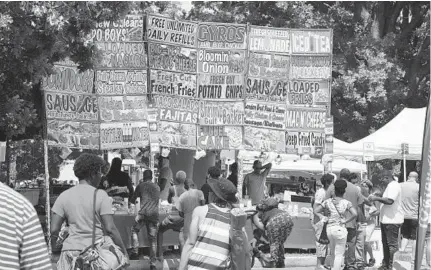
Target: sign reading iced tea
311,41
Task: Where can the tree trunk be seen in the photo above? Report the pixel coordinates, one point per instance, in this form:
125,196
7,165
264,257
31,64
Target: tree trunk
8,159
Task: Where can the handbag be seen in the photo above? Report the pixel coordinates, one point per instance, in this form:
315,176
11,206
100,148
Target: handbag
323,239
104,255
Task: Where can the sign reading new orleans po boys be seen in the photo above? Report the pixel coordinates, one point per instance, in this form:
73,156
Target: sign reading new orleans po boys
121,82
68,79
270,66
265,115
172,83
172,57
307,92
267,39
219,137
310,67
124,135
310,119
165,30
123,108
311,41
122,55
221,36
218,113
176,109
70,106
131,28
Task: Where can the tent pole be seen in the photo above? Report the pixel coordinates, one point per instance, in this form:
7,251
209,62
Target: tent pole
404,166
48,205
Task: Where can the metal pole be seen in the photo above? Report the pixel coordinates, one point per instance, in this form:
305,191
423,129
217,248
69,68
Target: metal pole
404,165
48,205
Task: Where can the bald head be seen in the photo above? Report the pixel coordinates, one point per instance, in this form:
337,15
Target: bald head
180,178
413,176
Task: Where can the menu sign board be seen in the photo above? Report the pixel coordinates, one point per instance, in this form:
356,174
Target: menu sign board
121,82
122,55
220,87
131,28
221,36
69,106
307,92
175,135
217,113
266,90
265,115
123,108
311,41
269,66
311,119
69,79
219,137
267,39
73,134
266,140
305,142
172,58
172,83
311,67
124,135
176,109
165,30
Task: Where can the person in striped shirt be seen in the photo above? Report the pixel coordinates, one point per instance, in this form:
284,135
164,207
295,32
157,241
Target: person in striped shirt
22,243
207,246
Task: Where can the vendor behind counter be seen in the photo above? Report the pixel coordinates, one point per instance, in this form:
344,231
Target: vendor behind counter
117,178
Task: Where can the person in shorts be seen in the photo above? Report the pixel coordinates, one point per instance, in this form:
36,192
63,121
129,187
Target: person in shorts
410,207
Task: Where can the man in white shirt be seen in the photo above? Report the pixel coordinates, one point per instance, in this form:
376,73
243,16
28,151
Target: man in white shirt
410,206
391,218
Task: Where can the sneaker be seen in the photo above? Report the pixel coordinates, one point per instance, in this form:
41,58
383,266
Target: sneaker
371,263
134,256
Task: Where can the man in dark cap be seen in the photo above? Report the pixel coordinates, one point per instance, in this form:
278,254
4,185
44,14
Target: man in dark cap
354,256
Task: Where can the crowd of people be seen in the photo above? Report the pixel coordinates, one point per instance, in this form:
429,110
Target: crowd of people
345,211
345,218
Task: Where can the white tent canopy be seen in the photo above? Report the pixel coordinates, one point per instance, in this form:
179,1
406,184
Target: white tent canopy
314,165
407,127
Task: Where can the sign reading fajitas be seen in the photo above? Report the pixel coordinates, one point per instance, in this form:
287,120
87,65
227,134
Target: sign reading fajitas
217,113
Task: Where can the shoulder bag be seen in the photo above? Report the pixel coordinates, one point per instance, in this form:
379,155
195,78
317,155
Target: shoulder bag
323,238
104,255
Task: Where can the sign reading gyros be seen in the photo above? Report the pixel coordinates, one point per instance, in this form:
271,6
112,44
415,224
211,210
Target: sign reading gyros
269,40
172,58
218,113
121,82
172,83
311,119
221,36
124,135
171,31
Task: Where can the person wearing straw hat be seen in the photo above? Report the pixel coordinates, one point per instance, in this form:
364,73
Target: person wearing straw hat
207,246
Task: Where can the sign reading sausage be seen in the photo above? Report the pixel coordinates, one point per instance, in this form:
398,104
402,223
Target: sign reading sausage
121,82
68,106
266,90
166,30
